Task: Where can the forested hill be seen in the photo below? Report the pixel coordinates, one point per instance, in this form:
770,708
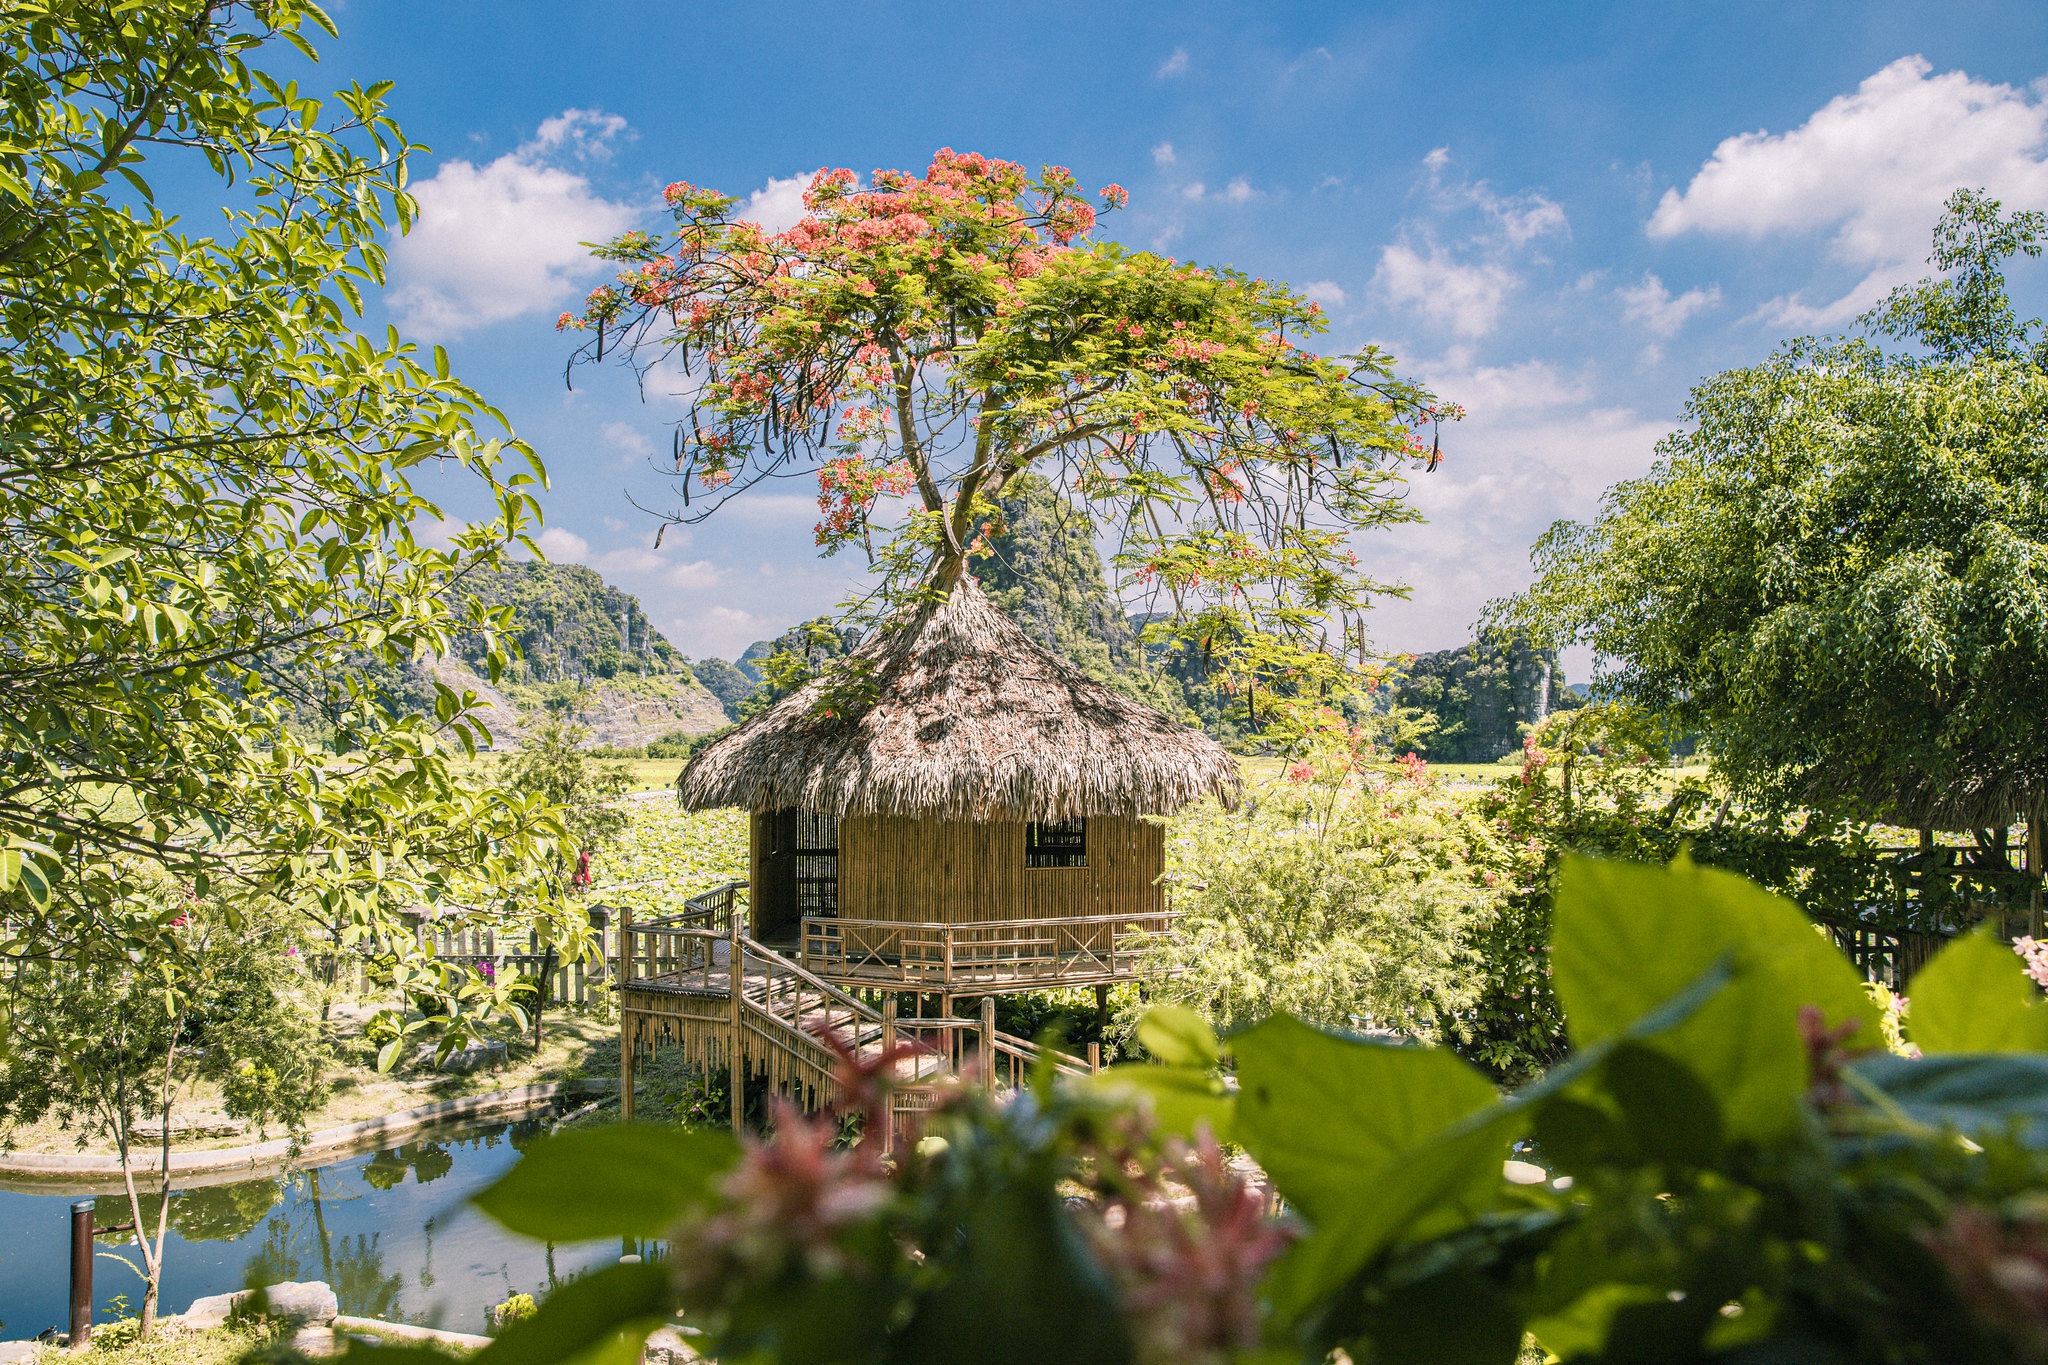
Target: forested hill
572,624
1481,695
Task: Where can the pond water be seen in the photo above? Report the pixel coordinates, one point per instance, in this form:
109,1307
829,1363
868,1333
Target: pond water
391,1231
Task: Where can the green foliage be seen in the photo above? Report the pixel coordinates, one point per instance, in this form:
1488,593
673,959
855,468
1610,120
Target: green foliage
1833,573
550,763
1970,999
681,743
726,682
1719,1173
207,493
1346,903
103,1041
1589,782
667,854
578,1185
922,343
1481,697
1041,566
569,624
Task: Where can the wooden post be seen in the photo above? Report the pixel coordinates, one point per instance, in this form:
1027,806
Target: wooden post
2034,875
1094,1058
988,1043
1101,1008
625,974
889,1046
738,968
625,1069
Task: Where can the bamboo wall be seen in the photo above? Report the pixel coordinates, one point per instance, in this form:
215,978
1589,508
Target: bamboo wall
957,871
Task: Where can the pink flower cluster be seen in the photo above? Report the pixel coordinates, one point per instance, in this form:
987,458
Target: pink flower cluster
1189,1268
2034,954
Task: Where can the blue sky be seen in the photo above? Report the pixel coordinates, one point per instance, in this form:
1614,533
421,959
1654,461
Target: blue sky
1561,215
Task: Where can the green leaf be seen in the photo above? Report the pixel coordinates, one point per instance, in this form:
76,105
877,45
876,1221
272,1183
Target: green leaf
1315,1108
631,1180
1179,1097
587,1314
1178,1036
1456,1318
1449,1176
1971,1093
1975,997
1627,938
1666,1112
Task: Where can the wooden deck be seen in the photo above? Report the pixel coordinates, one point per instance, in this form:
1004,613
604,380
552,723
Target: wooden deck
695,981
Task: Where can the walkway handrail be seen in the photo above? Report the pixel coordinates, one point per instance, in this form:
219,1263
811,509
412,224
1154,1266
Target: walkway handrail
761,950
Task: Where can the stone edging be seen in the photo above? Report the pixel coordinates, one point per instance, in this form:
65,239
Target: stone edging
325,1142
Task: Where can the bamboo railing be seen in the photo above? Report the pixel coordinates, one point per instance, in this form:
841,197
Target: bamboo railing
1072,951
695,980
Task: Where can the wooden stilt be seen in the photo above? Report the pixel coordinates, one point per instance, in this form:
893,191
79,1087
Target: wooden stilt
625,1071
888,1046
2034,925
736,1066
988,1043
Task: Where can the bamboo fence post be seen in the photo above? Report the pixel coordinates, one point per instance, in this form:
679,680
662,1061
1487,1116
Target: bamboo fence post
626,1040
737,966
888,1048
988,1043
2034,875
1094,1058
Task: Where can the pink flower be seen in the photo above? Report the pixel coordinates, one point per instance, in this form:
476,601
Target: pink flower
1301,772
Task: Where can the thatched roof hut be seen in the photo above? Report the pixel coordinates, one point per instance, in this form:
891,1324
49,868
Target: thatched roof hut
953,713
1961,800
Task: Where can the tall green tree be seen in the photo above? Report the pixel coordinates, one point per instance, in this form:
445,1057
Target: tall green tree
208,489
919,343
1837,571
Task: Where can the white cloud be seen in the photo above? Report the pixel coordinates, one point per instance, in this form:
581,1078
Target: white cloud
1328,293
778,205
1532,452
1175,64
563,547
1874,166
700,574
1194,191
1466,297
1239,191
1162,155
1493,392
627,439
439,534
1465,288
503,240
1651,303
615,526
629,561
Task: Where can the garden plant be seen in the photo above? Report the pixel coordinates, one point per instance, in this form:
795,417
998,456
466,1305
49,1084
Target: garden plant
1731,1165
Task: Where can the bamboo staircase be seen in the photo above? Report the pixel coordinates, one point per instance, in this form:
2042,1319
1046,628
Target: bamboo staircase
696,981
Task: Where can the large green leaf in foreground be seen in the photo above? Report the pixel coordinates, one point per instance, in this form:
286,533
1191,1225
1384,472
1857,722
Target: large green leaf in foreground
633,1180
1626,938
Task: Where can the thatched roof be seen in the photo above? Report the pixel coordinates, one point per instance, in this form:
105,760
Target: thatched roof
961,716
1957,801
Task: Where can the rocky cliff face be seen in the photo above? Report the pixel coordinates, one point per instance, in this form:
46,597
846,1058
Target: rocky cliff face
621,714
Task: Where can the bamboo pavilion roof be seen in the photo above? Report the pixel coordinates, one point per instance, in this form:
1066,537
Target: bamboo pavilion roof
1958,801
952,712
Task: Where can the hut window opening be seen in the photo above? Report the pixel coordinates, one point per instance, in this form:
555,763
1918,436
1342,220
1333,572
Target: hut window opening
1056,843
817,863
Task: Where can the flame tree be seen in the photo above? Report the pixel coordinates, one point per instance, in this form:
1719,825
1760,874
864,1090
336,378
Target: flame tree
917,343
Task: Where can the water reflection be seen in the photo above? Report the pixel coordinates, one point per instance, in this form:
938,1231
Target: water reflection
390,1230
